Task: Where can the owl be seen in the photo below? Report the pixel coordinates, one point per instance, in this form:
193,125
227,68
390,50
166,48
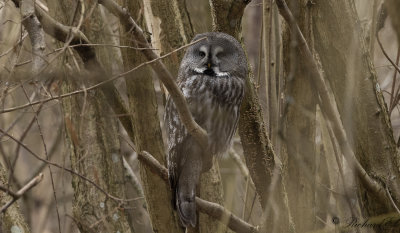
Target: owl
212,79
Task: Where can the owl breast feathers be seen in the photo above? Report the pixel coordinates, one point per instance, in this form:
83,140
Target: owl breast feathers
212,79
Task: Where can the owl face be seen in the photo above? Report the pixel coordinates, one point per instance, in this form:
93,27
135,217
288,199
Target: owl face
218,55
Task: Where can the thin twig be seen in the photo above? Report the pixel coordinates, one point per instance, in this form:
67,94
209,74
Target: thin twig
88,55
105,45
52,150
98,84
16,44
385,53
47,157
341,172
242,167
391,200
394,81
66,169
72,35
22,138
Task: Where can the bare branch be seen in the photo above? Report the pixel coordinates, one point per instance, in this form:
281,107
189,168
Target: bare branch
218,212
98,85
242,167
36,34
212,209
36,180
8,191
47,155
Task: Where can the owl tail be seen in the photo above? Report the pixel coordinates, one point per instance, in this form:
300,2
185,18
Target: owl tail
185,192
186,207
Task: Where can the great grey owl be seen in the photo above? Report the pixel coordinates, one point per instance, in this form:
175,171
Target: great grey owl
212,79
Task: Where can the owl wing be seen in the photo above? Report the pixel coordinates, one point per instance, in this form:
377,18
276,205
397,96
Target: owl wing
179,140
176,133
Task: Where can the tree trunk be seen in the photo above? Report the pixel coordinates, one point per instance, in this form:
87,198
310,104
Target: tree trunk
347,66
147,131
177,31
300,125
96,155
265,168
93,136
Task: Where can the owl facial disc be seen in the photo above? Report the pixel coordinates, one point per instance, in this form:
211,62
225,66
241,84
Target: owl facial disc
213,71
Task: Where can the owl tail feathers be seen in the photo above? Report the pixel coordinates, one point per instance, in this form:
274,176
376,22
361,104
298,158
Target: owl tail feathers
186,207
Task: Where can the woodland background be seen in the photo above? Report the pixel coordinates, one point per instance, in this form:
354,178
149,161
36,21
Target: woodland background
82,93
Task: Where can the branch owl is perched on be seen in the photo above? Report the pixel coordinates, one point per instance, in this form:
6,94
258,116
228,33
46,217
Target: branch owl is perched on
212,79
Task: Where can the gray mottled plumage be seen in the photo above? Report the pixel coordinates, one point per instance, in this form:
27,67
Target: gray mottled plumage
212,79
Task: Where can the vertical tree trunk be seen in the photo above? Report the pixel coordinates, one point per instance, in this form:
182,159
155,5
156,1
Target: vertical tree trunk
175,32
348,68
95,154
93,137
300,125
265,168
147,131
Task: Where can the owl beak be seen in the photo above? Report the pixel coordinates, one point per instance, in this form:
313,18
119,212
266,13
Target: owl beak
209,65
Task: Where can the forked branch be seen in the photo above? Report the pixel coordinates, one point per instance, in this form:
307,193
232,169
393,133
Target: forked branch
15,196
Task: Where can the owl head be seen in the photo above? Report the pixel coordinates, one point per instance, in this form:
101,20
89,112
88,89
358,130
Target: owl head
218,55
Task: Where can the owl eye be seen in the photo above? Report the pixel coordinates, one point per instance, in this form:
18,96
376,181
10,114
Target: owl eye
202,54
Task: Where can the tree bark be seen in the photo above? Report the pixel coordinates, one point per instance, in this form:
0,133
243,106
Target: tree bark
175,32
147,131
265,168
96,155
301,101
92,136
347,66
171,28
